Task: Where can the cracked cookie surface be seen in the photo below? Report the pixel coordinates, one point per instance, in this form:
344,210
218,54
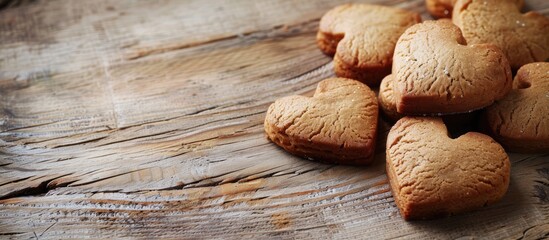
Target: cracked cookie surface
520,121
433,175
363,38
524,38
436,72
444,8
338,124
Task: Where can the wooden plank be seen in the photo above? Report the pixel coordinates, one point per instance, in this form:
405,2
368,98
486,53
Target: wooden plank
144,119
333,202
153,110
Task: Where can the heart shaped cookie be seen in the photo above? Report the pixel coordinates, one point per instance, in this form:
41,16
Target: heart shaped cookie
524,38
363,37
386,99
458,122
444,8
432,175
520,121
436,72
338,124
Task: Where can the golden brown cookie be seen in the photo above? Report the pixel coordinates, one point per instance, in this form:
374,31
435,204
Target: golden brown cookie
363,38
524,38
436,72
444,8
433,175
520,121
338,124
387,104
440,8
386,100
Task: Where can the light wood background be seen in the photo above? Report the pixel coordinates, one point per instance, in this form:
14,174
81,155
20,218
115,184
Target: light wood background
144,119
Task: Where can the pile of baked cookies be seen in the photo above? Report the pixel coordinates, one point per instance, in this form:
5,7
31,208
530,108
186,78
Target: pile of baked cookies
428,74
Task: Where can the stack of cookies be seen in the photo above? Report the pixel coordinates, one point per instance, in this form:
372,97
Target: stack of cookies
427,73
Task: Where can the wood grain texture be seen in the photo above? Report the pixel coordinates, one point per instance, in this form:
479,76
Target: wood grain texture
142,119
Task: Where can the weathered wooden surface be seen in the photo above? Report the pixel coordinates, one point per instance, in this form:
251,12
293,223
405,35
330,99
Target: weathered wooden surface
143,119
